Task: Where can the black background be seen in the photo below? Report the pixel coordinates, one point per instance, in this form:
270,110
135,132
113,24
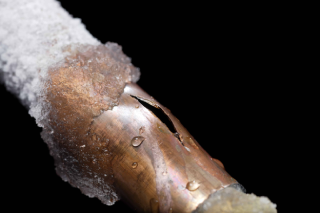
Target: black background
218,70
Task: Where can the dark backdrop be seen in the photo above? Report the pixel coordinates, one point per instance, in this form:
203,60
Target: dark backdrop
217,70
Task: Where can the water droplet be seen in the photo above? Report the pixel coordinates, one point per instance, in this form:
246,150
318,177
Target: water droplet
154,204
170,210
164,173
134,165
136,141
137,106
141,130
193,185
218,162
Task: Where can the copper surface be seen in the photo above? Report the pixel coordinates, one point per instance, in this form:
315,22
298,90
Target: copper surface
184,160
151,177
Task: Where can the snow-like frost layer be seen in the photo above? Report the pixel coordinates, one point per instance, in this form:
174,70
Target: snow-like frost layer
230,200
61,72
32,35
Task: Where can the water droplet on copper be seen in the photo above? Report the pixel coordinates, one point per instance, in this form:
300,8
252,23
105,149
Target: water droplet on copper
141,130
193,185
136,141
218,162
164,173
134,165
137,106
154,204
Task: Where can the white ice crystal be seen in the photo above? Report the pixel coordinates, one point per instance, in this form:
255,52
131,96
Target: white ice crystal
230,200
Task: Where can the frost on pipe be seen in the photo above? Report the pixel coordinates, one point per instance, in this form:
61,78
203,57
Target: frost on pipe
230,200
51,62
91,79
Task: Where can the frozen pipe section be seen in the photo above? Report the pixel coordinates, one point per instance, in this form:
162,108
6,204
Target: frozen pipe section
100,126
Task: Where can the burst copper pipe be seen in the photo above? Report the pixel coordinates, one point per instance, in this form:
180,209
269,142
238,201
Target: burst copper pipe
152,168
95,119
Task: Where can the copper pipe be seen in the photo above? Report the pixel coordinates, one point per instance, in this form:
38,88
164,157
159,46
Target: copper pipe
166,165
152,168
104,140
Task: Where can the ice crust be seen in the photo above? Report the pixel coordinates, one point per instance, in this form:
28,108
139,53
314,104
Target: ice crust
65,77
230,200
32,36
